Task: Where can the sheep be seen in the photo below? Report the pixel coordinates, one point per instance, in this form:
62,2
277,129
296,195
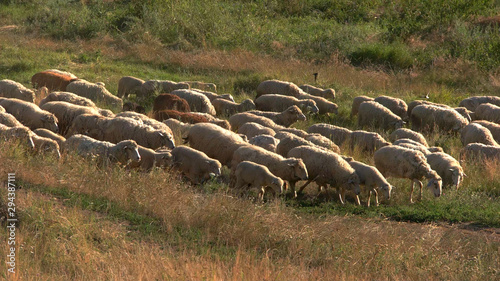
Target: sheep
66,112
278,87
298,132
289,169
288,141
239,119
323,141
146,120
285,118
197,102
186,117
493,127
212,119
227,108
177,126
252,175
265,141
472,103
202,85
87,124
13,89
150,159
474,132
356,102
480,152
102,151
252,129
278,103
129,85
42,132
17,133
170,102
132,106
315,91
52,80
9,120
324,106
216,142
67,97
46,145
212,96
337,134
367,141
426,117
30,115
447,167
400,162
403,133
467,114
62,72
411,144
106,112
196,165
151,87
2,109
395,105
373,180
377,115
489,112
95,92
327,167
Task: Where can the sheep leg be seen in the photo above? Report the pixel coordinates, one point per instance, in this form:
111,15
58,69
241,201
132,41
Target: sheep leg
357,200
376,196
411,191
421,185
369,197
342,195
261,193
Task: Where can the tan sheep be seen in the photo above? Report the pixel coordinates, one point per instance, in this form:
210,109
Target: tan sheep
367,141
87,124
239,119
298,132
145,119
488,112
265,141
373,180
66,112
356,102
395,105
150,159
337,134
95,92
225,107
472,103
324,106
216,142
323,141
493,127
212,119
315,91
404,133
129,85
278,103
30,115
194,164
252,175
202,85
177,127
13,89
475,132
9,120
252,129
288,141
327,167
447,167
67,97
46,145
467,114
479,152
409,143
197,102
278,87
372,113
212,96
400,162
428,117
17,133
51,135
285,118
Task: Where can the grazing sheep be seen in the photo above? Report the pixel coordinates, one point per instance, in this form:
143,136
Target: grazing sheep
9,120
493,127
52,80
298,132
202,85
315,91
197,102
129,85
278,103
279,88
187,117
379,116
227,108
326,167
479,152
288,142
473,102
212,119
66,112
467,114
252,129
265,141
153,87
170,102
323,141
177,127
51,135
216,142
95,92
400,162
239,119
337,134
102,151
150,159
17,133
46,145
324,106
30,115
87,124
132,106
488,112
403,133
212,96
285,118
288,169
67,97
196,165
252,175
367,141
356,102
474,132
447,167
13,89
372,179
146,120
411,144
395,105
427,117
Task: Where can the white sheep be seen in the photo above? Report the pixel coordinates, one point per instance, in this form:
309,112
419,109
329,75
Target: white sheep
472,103
197,102
404,133
150,159
411,144
87,124
66,112
447,167
51,135
252,175
324,106
152,87
227,108
285,118
489,112
278,103
196,165
372,113
428,117
467,114
323,141
9,120
298,132
278,87
252,129
67,97
475,132
493,127
479,152
397,106
239,119
373,180
17,133
326,167
400,162
288,141
337,134
145,119
315,91
95,92
265,141
366,141
129,85
177,127
45,145
356,102
30,115
13,89
202,85
212,96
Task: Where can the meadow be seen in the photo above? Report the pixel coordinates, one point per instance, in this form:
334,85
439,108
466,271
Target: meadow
81,222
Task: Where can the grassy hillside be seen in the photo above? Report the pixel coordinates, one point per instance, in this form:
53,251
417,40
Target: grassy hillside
79,222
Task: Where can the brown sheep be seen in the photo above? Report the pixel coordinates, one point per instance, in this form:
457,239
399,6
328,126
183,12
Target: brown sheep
170,102
52,80
132,106
185,117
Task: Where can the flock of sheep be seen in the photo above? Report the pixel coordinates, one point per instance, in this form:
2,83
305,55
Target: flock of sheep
252,138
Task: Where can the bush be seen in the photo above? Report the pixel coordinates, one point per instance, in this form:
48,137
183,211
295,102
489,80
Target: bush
393,56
